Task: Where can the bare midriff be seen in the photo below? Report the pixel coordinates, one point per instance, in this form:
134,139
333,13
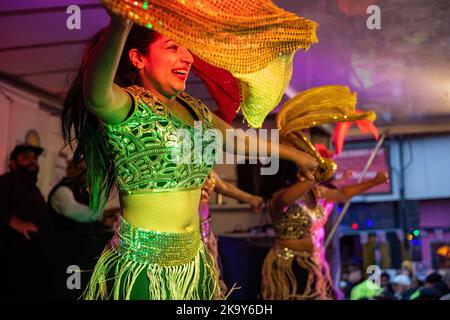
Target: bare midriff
172,211
300,245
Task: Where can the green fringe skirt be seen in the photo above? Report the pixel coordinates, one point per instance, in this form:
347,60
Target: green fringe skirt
151,265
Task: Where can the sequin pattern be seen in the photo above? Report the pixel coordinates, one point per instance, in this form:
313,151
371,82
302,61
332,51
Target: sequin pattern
154,247
148,150
252,39
298,221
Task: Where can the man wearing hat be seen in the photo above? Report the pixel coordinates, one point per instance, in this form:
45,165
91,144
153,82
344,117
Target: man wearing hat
402,286
22,206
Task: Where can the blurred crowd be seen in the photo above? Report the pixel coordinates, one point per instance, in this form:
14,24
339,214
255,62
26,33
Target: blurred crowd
391,284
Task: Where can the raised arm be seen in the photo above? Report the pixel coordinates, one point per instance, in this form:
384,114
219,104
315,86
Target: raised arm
104,98
288,196
242,142
347,175
346,193
229,190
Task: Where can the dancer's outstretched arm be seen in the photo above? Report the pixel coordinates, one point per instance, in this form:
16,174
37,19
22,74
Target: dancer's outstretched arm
229,190
288,196
346,193
243,143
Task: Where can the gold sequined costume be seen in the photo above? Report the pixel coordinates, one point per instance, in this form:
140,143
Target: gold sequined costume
312,108
287,273
291,275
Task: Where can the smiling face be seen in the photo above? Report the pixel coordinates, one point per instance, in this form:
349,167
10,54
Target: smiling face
165,68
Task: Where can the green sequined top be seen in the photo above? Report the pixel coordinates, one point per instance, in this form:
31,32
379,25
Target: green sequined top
152,154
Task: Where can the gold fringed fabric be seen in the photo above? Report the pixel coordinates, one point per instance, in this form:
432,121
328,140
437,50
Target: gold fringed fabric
314,107
261,91
279,281
253,39
239,36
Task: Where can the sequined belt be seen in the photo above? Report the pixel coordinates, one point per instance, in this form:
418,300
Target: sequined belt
154,247
286,253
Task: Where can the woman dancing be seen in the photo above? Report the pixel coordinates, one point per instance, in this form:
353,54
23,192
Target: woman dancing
126,108
295,268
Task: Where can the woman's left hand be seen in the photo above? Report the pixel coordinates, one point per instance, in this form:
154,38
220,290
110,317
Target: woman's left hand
381,177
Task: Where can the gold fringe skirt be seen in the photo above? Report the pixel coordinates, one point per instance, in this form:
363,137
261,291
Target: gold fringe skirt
151,265
292,275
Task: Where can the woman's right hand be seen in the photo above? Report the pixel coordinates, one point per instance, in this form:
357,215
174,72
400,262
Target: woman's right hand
307,165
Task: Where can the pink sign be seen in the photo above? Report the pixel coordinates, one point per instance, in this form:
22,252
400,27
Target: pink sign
355,160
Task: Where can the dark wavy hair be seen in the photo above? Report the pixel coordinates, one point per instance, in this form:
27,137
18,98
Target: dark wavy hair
285,177
79,125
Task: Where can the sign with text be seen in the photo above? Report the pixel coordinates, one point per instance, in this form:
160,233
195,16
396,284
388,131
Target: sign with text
354,160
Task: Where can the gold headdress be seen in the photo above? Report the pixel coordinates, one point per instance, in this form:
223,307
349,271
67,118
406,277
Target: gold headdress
314,107
252,39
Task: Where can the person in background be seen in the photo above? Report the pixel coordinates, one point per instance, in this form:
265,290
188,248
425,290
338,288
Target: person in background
295,268
22,205
366,290
402,286
407,268
433,289
385,283
352,277
446,281
416,283
25,221
69,202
